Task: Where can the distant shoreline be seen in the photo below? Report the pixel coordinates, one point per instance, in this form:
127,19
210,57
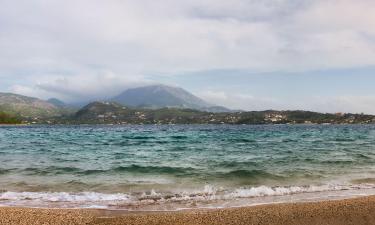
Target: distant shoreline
12,124
357,211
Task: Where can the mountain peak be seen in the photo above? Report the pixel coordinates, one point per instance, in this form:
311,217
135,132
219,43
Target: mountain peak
160,96
26,106
56,102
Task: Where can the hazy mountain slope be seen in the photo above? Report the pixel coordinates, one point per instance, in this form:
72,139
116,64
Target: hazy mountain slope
160,96
24,106
98,109
8,119
57,102
114,113
111,112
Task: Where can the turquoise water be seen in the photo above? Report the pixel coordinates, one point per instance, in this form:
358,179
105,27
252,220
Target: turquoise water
123,166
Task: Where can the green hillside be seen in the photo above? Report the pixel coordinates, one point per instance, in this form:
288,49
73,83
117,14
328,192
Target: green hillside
8,119
28,107
114,113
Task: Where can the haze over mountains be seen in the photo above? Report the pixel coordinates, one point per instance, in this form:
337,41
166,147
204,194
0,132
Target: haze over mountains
156,104
148,97
57,102
156,96
163,96
24,106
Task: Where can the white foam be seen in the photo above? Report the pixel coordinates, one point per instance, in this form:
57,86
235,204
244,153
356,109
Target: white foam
207,194
276,191
209,190
63,196
262,191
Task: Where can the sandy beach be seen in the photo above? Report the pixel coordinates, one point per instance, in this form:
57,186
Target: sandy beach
341,212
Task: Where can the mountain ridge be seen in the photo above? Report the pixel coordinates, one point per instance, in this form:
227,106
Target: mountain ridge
25,106
57,102
102,112
162,96
165,105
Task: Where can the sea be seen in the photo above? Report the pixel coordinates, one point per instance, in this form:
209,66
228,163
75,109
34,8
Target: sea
176,167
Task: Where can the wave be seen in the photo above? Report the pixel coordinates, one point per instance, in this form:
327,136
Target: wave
63,196
179,137
262,191
249,174
363,156
5,171
154,169
242,140
55,170
338,162
236,164
51,170
344,139
231,173
141,137
136,200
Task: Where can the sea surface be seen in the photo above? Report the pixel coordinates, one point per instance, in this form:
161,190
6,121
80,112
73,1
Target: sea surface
172,167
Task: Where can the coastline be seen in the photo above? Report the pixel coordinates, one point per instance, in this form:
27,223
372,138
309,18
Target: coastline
16,124
358,211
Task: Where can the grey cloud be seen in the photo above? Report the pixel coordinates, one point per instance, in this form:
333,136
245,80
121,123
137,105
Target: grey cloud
345,103
250,11
94,86
43,43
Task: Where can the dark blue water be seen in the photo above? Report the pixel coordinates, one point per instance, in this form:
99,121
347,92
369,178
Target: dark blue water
122,162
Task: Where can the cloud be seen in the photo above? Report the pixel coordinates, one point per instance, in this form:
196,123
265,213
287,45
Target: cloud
187,35
239,100
333,104
85,87
348,103
68,48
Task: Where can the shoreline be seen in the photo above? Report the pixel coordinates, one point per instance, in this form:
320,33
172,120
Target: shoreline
356,211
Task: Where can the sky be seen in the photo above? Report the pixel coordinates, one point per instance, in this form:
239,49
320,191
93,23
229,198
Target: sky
314,55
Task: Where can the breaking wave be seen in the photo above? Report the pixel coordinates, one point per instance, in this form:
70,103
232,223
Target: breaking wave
129,200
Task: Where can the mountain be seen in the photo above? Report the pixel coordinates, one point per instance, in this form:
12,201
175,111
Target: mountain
57,102
8,119
95,110
114,113
23,106
163,96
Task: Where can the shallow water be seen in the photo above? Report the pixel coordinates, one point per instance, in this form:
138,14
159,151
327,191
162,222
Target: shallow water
133,167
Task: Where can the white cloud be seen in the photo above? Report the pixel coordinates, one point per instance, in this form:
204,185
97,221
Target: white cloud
353,104
239,100
61,48
187,35
333,104
85,87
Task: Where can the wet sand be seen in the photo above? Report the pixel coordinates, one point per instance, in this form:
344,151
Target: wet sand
341,212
